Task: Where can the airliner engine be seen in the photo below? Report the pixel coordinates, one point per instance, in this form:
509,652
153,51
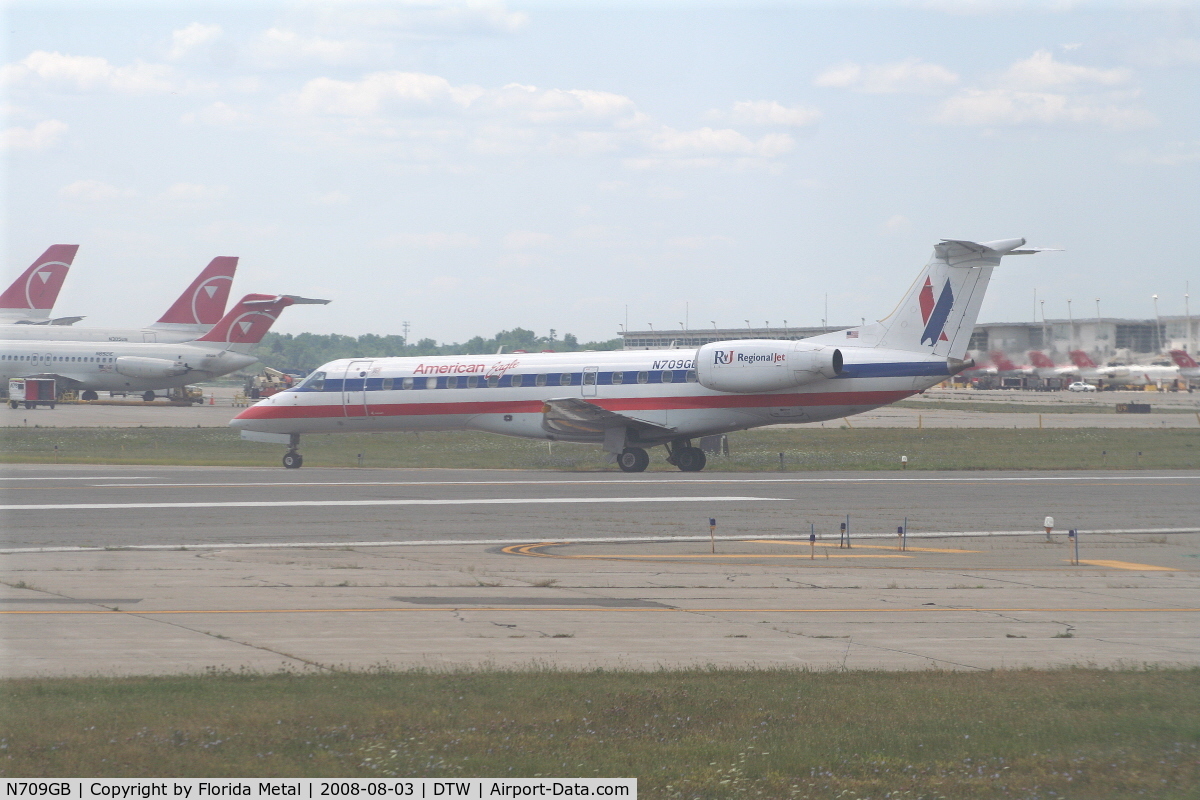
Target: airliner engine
139,367
761,365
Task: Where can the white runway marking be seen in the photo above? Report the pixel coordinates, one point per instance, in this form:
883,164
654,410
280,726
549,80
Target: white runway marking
965,478
88,478
565,540
399,502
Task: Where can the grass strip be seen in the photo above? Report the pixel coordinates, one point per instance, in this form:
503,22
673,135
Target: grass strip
810,448
701,733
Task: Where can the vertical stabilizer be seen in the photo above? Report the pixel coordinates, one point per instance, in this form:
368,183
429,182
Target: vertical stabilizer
203,303
1082,360
938,313
248,322
32,295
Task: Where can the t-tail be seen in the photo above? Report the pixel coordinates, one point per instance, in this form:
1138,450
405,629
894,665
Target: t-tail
203,303
1040,360
1188,368
1082,360
938,313
32,295
248,322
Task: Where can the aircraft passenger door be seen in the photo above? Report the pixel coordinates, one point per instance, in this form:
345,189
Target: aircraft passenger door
354,388
588,384
149,336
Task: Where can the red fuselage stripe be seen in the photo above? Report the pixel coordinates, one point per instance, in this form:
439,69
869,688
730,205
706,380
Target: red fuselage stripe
878,398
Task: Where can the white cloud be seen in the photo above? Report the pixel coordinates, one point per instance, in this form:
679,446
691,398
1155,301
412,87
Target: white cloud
421,18
86,73
700,242
370,96
524,240
41,136
1168,53
1175,154
218,114
185,40
548,106
709,141
334,198
1013,107
195,192
897,223
436,240
909,76
769,112
1041,90
94,191
279,47
1040,71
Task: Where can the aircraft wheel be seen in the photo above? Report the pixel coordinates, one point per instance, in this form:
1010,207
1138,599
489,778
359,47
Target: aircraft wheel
148,397
292,460
633,459
90,395
690,459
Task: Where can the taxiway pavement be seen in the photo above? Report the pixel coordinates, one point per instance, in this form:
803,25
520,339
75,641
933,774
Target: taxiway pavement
135,570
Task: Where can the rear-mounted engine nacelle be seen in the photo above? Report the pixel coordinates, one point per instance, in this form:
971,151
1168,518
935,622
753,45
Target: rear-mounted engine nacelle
760,365
141,367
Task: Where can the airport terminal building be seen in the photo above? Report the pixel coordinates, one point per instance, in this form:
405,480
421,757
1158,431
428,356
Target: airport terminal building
1103,338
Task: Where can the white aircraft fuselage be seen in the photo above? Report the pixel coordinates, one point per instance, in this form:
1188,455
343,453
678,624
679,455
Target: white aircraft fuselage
629,400
118,366
509,394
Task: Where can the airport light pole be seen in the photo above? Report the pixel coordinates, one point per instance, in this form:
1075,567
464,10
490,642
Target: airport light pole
1043,324
1158,337
1187,316
1071,325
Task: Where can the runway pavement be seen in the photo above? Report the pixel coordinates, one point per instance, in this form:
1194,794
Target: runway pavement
151,570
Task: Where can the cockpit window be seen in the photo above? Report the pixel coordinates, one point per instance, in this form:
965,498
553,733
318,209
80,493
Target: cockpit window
314,382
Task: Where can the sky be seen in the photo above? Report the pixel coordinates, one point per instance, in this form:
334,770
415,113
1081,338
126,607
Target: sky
579,166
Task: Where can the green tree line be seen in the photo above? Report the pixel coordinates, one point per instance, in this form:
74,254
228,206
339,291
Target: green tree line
307,351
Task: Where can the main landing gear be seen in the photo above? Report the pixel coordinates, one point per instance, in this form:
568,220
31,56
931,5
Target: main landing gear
633,459
292,459
689,459
680,453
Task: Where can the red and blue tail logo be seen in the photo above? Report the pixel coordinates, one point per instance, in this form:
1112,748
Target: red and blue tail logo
934,314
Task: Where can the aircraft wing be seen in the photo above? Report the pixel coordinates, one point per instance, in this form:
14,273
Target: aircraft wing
577,417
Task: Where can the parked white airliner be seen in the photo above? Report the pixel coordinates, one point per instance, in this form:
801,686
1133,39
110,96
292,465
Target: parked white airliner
192,315
31,296
627,401
92,367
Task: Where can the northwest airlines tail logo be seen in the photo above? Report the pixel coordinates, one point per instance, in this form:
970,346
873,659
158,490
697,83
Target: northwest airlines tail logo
934,314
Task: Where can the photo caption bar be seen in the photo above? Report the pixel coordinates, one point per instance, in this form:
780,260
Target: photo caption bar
207,788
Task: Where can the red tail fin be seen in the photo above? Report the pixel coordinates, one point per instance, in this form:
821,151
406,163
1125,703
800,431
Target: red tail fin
1182,359
1002,361
1082,360
203,303
1040,359
38,286
248,321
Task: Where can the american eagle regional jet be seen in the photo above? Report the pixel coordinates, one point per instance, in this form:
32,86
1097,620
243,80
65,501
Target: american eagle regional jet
627,401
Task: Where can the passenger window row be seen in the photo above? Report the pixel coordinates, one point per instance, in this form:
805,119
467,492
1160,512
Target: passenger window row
59,359
318,382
